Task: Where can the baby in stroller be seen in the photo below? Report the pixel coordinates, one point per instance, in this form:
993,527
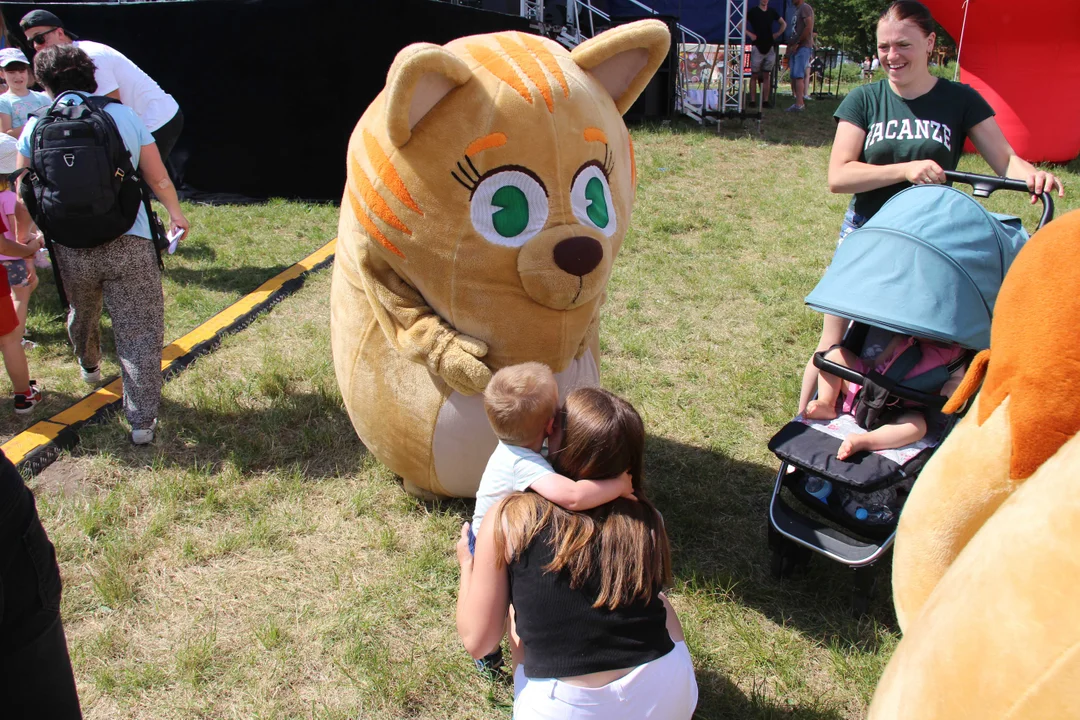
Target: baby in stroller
898,424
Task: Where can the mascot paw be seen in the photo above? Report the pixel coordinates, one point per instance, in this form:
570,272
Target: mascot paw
460,367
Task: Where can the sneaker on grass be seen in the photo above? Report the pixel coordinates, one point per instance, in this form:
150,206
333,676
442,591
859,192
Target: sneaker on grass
144,436
91,375
795,108
490,664
25,402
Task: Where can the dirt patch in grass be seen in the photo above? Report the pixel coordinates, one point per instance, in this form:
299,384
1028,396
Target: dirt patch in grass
66,477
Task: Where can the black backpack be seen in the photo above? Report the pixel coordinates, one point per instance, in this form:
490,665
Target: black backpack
82,189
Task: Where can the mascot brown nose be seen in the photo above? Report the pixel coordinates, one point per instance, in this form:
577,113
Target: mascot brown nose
578,255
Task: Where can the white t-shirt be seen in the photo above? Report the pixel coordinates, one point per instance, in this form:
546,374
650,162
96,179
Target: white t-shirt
510,468
138,91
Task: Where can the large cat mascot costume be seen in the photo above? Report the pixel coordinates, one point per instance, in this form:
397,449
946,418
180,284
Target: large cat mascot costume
489,190
986,575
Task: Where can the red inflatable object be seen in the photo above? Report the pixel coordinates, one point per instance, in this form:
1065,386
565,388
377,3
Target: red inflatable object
1025,60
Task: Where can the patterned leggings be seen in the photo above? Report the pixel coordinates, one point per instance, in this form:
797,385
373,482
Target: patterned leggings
125,272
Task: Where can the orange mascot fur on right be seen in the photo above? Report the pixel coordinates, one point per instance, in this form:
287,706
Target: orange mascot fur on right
986,574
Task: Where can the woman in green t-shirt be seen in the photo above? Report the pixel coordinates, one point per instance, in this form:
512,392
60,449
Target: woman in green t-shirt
907,130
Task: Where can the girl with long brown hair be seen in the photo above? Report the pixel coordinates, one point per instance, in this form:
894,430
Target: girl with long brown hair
599,638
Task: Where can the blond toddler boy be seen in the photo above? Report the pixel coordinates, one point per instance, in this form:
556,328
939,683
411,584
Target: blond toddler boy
521,402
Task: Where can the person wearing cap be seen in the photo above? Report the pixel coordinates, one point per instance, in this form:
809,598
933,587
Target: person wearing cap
117,77
19,101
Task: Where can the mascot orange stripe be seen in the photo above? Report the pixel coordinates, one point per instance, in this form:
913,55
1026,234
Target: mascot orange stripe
487,142
500,69
387,173
373,199
595,135
530,66
546,59
1034,355
371,228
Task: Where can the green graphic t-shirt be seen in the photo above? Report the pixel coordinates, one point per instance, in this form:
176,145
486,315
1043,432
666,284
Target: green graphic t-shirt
932,126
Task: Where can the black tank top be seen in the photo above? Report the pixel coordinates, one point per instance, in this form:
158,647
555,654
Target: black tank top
564,635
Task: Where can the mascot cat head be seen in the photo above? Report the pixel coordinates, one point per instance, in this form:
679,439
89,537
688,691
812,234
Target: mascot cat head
495,174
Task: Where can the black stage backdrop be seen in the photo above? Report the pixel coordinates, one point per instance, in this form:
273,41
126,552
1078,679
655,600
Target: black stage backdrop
270,89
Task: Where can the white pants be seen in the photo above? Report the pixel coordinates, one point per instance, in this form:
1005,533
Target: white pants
664,689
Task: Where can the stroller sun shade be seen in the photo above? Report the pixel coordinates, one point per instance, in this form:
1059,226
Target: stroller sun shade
929,263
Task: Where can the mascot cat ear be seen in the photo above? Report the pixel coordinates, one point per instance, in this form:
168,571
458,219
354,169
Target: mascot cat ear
421,76
625,58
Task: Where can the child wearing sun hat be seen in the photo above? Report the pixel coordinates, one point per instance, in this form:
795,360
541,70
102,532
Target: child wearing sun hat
19,101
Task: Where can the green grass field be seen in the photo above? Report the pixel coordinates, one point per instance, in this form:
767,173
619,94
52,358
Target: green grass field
257,563
230,252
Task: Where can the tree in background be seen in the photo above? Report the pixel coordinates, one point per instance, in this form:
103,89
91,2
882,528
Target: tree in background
852,25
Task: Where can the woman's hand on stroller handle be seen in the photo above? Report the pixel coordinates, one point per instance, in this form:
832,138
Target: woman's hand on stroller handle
924,172
1040,182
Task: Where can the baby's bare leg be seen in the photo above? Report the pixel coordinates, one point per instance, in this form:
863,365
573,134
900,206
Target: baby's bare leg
832,332
824,408
908,428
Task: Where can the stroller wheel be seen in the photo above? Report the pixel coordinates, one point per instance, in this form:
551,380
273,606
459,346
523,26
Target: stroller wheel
860,606
787,557
776,563
863,591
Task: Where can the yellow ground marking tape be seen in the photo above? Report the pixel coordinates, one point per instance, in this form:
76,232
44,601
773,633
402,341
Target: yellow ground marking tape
246,304
44,432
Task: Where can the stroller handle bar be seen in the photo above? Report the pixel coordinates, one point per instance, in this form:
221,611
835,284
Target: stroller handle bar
983,185
934,402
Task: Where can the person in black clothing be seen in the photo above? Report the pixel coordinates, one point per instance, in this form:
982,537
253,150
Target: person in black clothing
759,29
36,680
591,625
817,70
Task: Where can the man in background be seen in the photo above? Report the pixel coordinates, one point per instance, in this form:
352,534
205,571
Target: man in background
800,49
759,28
117,77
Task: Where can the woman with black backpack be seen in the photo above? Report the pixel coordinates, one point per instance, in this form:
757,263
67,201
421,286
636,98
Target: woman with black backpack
97,258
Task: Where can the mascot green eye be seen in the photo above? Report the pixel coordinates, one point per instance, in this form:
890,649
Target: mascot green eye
590,197
512,217
509,207
598,208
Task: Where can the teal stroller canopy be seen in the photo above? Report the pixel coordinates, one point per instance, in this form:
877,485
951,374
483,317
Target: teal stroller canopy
929,264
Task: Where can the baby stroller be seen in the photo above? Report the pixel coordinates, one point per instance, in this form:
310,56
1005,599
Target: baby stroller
928,264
